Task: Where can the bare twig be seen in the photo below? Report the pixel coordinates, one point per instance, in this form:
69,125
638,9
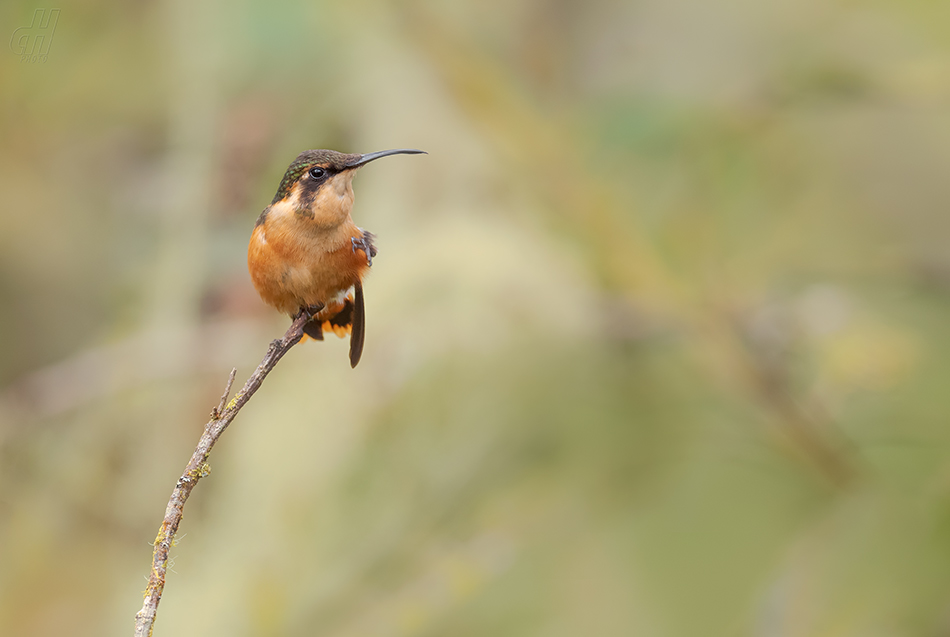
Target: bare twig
198,468
216,412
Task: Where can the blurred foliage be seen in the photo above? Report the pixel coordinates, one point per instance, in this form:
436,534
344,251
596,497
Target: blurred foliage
657,333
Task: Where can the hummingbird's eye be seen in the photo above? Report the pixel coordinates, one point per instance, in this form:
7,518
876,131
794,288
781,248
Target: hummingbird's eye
318,173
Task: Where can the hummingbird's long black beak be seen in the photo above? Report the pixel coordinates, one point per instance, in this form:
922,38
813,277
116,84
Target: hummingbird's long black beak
368,157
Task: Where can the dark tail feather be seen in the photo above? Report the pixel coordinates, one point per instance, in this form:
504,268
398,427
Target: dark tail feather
359,327
351,318
314,329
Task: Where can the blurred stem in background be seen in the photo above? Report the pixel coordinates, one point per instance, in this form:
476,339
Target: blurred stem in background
176,286
556,164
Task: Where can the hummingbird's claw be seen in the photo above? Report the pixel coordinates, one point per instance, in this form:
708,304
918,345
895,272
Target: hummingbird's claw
365,243
310,310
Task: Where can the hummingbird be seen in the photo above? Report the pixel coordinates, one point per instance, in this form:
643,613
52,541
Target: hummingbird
307,255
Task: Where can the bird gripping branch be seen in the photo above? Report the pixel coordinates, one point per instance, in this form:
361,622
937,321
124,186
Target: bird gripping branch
306,254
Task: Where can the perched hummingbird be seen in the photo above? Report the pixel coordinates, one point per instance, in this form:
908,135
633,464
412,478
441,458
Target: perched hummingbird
306,254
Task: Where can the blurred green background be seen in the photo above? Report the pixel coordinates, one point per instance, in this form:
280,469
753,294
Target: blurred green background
657,335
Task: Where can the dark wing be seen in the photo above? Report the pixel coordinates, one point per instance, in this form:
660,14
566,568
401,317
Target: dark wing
359,326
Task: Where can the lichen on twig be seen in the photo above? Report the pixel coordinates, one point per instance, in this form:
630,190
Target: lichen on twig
198,467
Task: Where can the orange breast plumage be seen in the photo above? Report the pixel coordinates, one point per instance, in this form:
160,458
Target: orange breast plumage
290,272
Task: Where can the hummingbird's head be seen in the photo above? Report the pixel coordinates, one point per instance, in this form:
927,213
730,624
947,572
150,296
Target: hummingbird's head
318,183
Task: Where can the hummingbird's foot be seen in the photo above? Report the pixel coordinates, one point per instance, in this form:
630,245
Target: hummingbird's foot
310,310
315,309
365,243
